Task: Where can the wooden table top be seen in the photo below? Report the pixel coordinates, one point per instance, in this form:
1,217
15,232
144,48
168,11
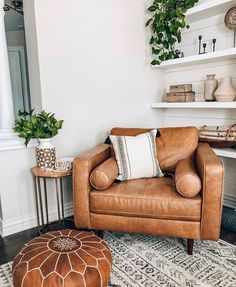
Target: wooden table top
43,172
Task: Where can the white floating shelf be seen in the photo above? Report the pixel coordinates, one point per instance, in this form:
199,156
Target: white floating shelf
227,54
210,8
225,152
195,105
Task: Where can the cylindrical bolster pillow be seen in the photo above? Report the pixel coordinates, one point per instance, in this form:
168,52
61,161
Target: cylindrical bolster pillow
187,181
105,174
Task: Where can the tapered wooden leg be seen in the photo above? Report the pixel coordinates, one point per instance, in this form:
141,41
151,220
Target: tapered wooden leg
190,246
100,233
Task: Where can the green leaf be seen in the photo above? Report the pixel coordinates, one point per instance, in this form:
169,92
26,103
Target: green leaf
162,16
155,51
27,140
149,21
166,25
179,37
166,44
152,8
42,125
155,62
152,40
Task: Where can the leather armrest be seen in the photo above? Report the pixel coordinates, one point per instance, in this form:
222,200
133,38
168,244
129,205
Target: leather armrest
83,165
211,171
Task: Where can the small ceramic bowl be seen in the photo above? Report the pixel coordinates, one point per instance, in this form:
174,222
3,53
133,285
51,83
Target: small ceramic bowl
64,164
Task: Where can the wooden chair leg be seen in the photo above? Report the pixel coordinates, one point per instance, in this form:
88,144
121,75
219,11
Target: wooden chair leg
190,246
100,233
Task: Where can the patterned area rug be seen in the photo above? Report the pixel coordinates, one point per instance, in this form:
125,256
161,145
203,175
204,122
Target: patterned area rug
150,261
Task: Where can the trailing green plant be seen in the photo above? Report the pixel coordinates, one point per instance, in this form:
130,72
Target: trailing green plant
34,126
167,23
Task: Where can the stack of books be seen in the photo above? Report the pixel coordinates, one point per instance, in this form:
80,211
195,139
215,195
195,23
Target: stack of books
180,93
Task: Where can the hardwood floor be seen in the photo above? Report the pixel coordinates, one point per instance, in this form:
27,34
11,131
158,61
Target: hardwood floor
11,245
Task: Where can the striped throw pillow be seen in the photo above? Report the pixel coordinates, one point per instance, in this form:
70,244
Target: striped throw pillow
136,156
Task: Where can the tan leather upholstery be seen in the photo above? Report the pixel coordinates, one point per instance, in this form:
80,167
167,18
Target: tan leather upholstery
83,165
187,181
153,206
161,227
149,198
173,145
105,174
63,258
211,172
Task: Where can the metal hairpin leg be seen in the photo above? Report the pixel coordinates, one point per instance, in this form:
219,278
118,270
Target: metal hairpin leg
37,203
41,198
62,202
58,204
46,199
41,203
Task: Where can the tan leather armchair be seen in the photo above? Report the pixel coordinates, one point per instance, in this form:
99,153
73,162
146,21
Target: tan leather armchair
153,206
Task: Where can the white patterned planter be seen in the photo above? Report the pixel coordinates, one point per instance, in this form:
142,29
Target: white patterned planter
46,154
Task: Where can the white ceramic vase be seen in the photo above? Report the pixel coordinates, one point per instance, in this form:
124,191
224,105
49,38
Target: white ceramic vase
226,91
210,85
46,154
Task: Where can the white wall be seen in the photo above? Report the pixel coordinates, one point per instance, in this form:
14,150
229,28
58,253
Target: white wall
17,197
212,27
93,58
95,73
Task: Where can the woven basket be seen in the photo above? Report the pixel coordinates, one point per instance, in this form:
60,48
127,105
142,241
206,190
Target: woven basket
221,137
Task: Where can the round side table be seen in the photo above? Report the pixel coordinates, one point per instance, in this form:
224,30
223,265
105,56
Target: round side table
40,179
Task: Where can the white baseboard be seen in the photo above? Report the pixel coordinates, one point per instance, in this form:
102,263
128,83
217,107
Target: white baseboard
12,226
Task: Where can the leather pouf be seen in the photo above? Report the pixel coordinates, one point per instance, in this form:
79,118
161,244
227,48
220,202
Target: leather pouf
66,258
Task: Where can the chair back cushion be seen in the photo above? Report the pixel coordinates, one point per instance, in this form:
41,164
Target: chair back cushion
173,145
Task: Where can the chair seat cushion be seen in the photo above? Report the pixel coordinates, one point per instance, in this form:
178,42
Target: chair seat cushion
151,197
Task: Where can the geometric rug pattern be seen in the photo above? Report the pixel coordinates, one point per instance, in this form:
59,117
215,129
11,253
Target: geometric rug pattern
151,261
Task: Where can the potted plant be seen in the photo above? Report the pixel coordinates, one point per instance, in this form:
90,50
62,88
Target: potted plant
43,127
167,22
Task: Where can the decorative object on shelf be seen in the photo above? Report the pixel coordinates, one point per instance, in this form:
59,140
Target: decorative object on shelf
200,44
64,164
213,45
180,97
226,92
180,93
227,54
218,136
42,126
230,21
210,85
183,88
167,22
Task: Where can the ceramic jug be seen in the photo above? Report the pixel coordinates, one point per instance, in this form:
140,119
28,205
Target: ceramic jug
226,91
